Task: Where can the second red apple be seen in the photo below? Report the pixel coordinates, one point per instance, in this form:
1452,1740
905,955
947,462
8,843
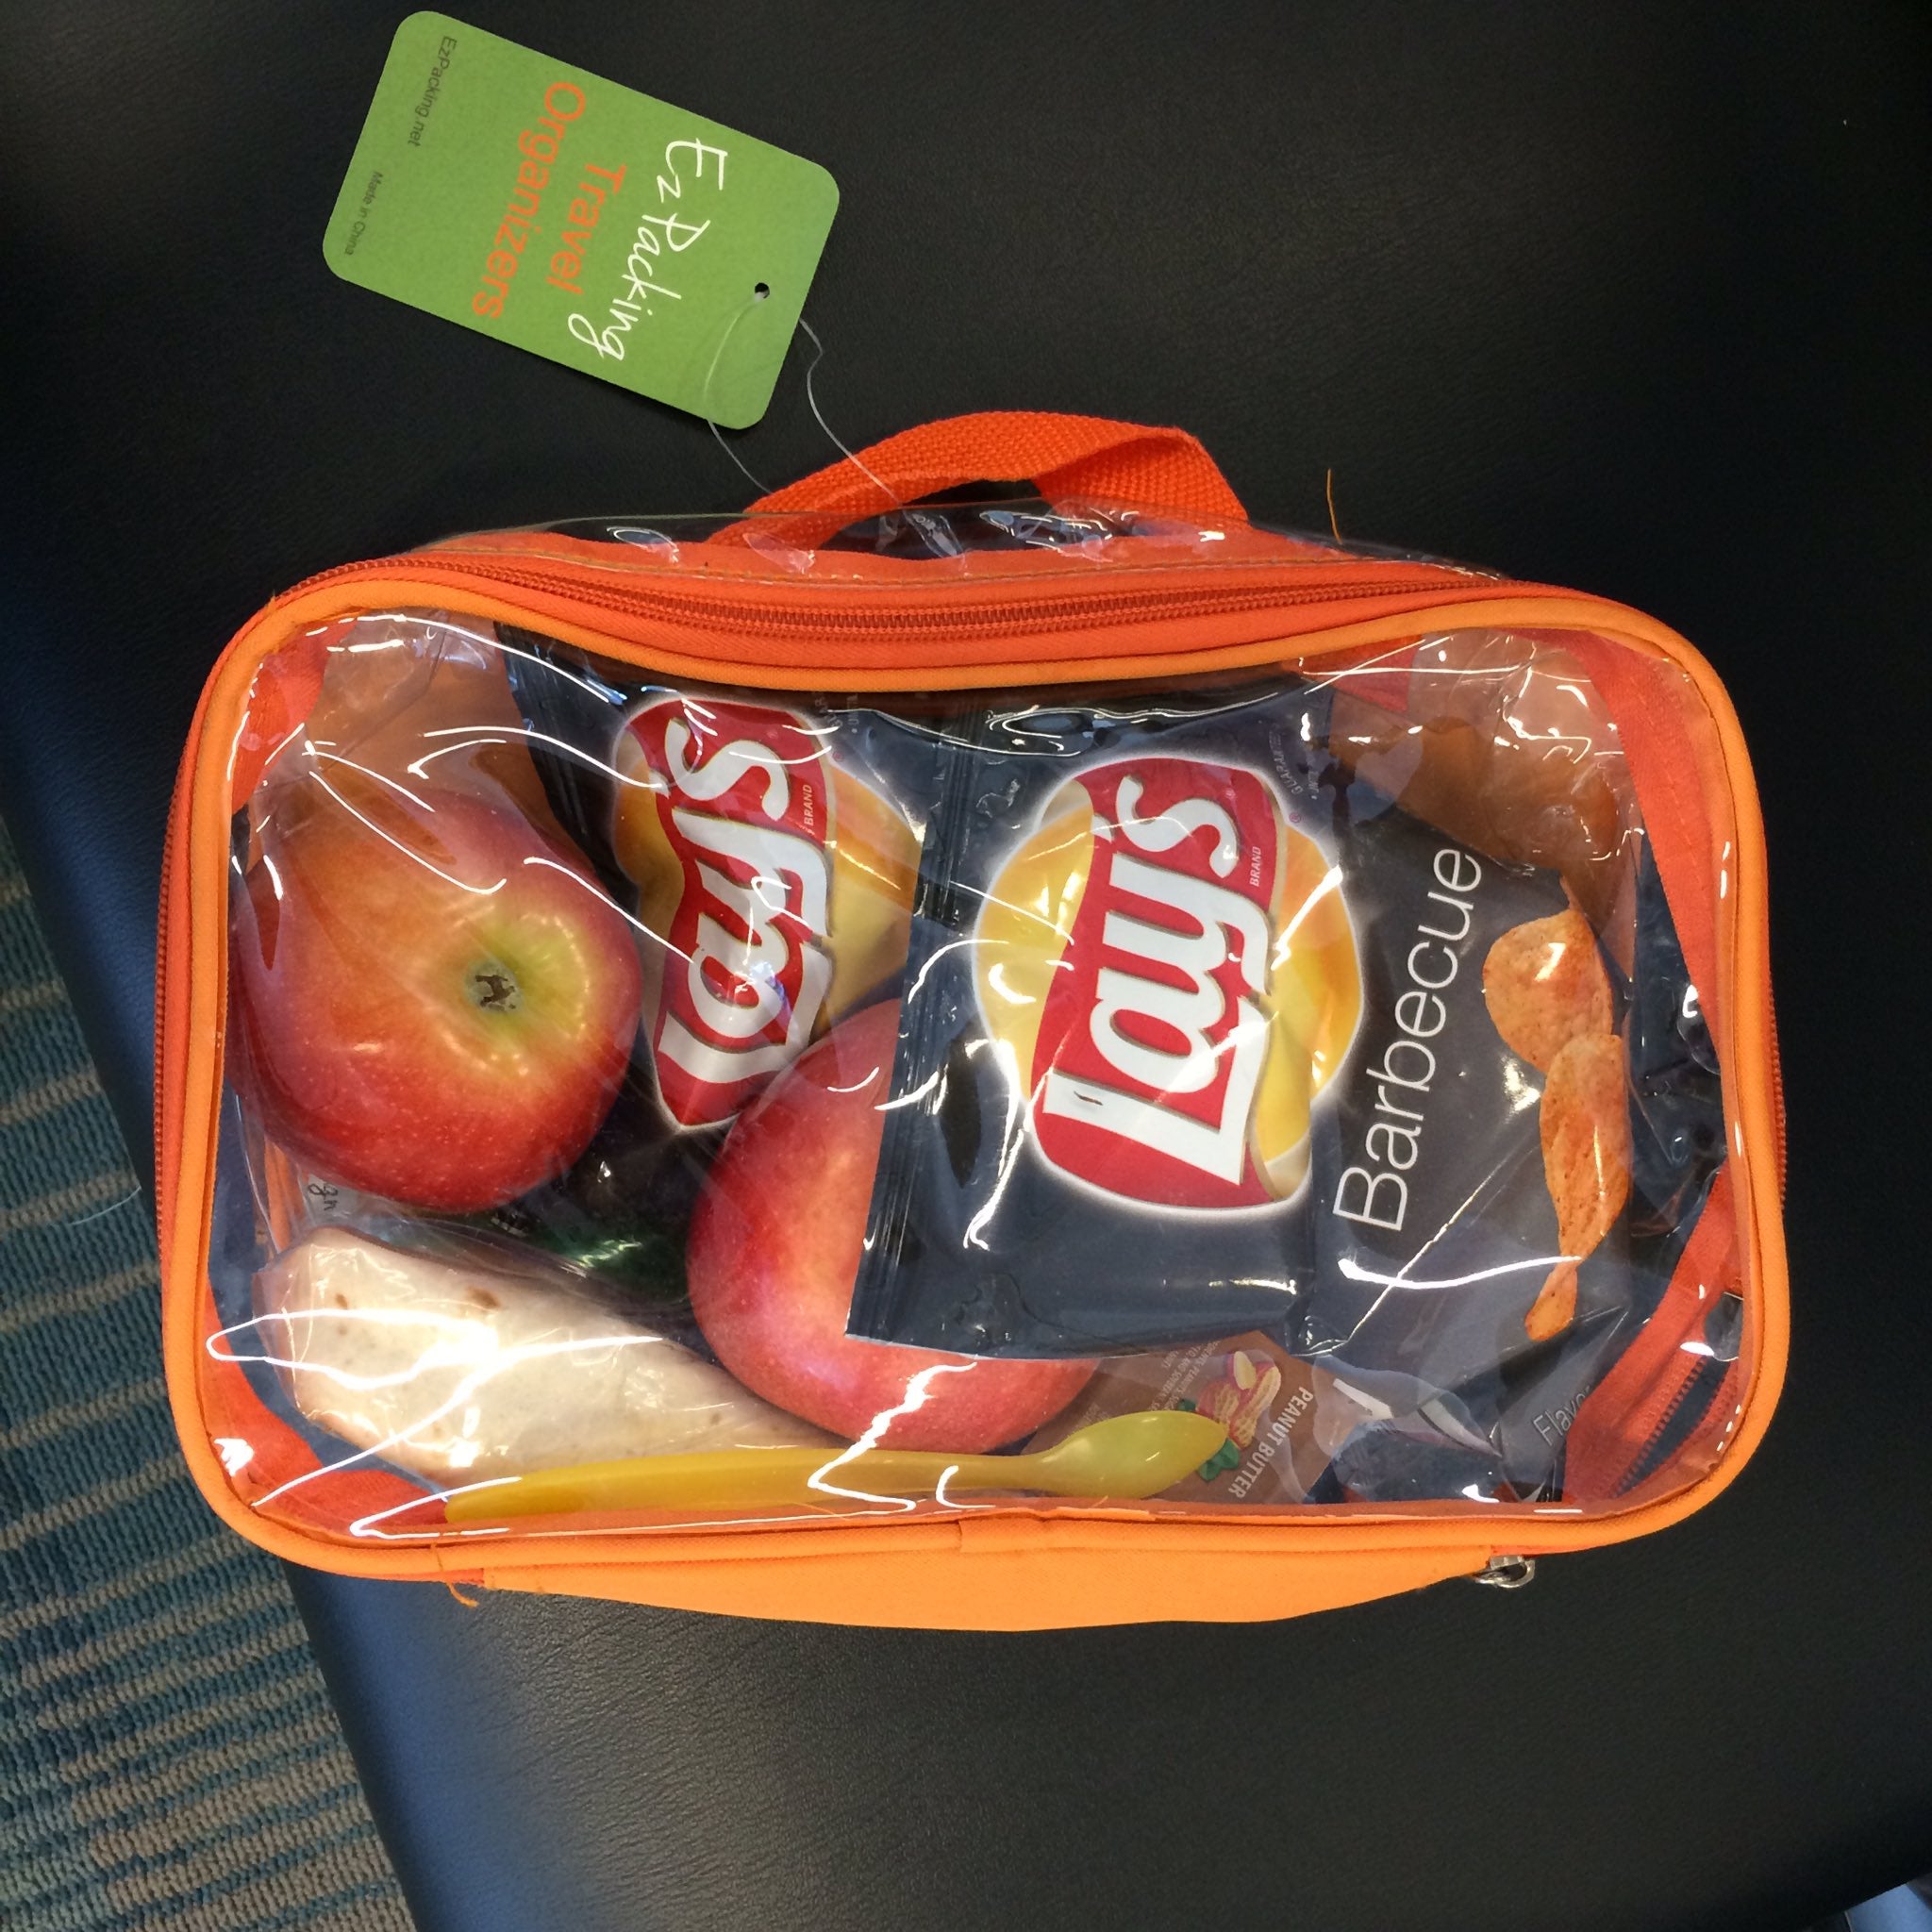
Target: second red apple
774,1248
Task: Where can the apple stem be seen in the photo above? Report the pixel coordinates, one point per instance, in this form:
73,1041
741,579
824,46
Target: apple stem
494,989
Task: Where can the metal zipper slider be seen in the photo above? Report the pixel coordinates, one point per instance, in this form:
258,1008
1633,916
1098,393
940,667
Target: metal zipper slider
1507,1573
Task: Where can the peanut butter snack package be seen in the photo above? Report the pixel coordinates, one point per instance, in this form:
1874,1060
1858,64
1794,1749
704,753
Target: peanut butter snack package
1284,1417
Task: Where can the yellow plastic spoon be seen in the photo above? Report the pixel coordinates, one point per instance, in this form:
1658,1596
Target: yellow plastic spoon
1126,1455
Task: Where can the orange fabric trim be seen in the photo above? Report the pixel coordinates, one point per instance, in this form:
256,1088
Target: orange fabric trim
1036,1584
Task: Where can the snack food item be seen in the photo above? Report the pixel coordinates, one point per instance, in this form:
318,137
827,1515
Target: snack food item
1501,740
1285,1419
1544,984
1242,1396
773,882
1555,1307
1585,1126
460,1366
1206,1037
460,960
1181,1028
1199,1036
775,1247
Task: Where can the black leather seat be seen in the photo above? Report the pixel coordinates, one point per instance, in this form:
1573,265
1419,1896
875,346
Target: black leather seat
1629,296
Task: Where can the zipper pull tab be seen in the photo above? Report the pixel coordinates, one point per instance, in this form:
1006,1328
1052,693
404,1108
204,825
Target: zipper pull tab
1507,1573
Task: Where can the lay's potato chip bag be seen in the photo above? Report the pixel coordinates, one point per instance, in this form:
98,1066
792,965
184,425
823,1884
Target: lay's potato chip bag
774,881
1200,1034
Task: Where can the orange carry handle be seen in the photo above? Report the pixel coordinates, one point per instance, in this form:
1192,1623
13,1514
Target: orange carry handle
1066,455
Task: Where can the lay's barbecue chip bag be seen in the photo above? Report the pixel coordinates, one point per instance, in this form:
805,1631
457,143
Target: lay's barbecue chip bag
1204,1034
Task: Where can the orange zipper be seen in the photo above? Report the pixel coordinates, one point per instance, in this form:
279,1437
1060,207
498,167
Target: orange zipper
1694,1375
1778,1091
991,607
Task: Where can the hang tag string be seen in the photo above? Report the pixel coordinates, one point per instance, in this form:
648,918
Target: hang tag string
832,436
879,483
743,309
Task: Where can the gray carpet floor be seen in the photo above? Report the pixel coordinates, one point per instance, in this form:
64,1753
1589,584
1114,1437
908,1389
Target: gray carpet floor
168,1755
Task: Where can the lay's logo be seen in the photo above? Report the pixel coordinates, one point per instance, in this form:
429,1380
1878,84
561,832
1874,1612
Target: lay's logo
1172,967
776,886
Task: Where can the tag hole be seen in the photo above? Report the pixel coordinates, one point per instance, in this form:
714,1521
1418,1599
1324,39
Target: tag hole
760,291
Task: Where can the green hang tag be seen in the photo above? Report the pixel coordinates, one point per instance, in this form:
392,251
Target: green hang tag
560,212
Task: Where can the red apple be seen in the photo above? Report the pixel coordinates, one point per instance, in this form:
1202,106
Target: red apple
774,1249
432,998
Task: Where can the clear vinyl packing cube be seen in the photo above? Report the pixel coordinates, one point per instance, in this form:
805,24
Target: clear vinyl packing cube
1047,1059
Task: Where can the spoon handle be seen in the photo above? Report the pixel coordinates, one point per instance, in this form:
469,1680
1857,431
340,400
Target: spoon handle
732,1479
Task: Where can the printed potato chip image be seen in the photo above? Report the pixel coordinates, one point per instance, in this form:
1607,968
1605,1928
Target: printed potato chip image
1241,1397
1505,745
1555,1307
1586,1135
1545,986
1173,1003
